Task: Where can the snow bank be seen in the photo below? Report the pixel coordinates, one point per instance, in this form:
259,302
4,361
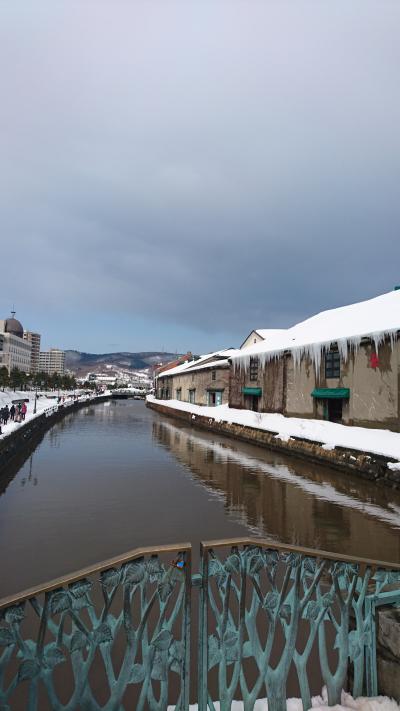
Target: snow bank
46,403
319,703
330,434
377,318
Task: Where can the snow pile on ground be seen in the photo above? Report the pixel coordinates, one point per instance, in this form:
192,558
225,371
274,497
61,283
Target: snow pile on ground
319,703
329,434
376,318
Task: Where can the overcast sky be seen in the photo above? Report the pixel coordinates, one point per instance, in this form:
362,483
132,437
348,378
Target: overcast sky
174,174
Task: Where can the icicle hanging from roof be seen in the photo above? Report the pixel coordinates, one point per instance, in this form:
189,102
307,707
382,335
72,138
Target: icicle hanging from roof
377,319
314,351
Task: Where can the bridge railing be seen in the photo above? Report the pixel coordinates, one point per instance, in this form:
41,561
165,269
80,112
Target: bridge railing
111,634
117,635
269,611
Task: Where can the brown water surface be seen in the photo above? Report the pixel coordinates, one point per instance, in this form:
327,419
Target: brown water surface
115,476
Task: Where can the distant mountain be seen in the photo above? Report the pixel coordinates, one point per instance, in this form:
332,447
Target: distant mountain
82,363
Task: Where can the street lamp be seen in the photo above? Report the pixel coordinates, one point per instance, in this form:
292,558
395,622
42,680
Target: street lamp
34,407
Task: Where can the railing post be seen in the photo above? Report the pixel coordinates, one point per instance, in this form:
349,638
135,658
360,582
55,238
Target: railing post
203,631
187,614
371,671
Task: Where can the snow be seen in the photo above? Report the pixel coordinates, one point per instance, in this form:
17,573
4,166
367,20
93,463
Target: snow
394,466
319,703
377,319
269,332
201,362
46,403
283,437
376,441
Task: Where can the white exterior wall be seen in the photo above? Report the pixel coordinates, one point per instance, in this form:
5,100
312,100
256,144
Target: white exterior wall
15,353
252,338
52,361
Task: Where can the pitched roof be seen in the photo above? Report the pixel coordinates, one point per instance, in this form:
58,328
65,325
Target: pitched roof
264,333
205,361
376,318
269,332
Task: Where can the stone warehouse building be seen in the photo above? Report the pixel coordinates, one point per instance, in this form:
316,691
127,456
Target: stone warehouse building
342,365
201,381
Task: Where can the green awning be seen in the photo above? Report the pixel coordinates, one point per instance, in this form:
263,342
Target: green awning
252,391
331,393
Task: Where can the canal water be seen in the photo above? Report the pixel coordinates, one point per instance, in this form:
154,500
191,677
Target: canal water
116,475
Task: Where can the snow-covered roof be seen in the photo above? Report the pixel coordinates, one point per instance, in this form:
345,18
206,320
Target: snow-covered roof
267,333
205,361
376,318
264,333
209,364
173,371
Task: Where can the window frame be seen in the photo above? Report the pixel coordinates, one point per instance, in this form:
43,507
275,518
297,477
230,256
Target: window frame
253,368
332,364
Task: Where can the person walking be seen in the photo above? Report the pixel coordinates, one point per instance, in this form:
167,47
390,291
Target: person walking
2,415
6,414
23,410
12,412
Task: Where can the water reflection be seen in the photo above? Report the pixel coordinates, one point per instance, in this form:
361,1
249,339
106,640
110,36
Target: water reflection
291,501
30,479
116,476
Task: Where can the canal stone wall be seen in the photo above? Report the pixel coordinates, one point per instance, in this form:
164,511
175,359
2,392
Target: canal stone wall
368,466
388,653
14,444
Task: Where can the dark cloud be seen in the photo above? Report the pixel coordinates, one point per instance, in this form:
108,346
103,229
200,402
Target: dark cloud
202,167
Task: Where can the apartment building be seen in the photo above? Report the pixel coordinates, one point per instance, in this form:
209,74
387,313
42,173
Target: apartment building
34,340
52,361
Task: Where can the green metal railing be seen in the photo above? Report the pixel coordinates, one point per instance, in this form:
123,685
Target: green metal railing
118,635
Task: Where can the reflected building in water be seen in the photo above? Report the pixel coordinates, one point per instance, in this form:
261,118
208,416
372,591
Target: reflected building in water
289,500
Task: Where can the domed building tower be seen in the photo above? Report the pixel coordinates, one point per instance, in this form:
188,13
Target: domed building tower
15,352
12,325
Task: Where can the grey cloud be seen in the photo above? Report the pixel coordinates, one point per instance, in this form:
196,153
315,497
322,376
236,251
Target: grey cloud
219,165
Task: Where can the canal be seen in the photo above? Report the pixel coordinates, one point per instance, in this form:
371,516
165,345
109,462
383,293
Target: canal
116,475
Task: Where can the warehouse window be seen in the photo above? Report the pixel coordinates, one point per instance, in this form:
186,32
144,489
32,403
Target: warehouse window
254,363
332,364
